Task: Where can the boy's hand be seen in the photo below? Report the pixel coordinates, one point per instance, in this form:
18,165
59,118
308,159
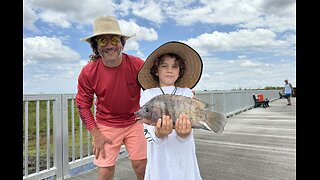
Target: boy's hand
183,126
164,127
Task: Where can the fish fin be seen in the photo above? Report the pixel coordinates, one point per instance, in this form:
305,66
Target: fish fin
216,121
201,125
208,106
206,126
200,104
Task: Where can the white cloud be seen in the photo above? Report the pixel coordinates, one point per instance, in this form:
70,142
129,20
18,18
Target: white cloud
41,49
248,63
258,39
141,33
148,10
29,17
58,19
63,13
219,75
243,43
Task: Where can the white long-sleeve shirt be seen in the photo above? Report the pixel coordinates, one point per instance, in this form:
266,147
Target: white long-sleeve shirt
172,157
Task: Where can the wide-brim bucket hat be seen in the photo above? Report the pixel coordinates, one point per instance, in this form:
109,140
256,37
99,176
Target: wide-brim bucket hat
190,57
103,25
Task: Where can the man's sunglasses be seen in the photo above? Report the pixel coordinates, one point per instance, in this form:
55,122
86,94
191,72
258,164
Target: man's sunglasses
103,41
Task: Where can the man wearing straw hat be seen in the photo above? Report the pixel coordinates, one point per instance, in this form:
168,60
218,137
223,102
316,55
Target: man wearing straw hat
173,68
111,76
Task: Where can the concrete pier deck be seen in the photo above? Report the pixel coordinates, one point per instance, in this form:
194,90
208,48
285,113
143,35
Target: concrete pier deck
257,144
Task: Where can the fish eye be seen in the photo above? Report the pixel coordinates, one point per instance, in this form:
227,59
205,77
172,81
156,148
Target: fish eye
147,109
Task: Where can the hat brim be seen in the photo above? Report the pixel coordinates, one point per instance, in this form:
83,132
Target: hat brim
88,39
190,57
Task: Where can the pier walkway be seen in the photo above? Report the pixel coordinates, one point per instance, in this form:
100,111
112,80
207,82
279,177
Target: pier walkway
256,144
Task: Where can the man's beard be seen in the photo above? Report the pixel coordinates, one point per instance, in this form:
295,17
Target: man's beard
109,50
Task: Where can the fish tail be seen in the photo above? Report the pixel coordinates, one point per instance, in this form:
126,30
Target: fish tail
216,121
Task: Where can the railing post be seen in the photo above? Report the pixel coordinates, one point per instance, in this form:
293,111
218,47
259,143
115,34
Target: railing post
64,127
57,132
224,108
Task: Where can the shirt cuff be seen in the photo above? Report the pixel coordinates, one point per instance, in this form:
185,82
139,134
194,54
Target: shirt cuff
157,139
184,139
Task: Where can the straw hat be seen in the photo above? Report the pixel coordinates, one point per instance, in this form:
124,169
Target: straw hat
105,25
190,57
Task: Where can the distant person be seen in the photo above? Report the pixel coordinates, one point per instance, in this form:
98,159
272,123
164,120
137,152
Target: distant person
111,76
288,91
173,68
267,102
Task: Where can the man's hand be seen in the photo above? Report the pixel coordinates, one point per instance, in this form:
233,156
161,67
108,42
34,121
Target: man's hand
164,127
98,144
183,126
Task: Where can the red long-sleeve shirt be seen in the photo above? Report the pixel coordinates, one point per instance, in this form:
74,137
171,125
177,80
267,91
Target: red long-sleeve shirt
117,90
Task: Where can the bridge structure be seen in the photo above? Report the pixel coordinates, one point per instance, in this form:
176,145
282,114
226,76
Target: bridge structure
257,144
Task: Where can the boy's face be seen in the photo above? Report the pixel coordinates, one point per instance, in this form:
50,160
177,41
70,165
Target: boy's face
168,72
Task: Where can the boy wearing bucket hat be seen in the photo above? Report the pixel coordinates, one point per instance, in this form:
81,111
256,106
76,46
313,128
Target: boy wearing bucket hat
173,68
111,76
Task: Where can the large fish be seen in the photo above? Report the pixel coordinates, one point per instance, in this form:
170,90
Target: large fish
175,105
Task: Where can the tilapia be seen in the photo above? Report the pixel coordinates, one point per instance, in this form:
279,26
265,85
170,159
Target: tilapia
175,105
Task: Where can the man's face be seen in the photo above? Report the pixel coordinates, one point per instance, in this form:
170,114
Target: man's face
109,46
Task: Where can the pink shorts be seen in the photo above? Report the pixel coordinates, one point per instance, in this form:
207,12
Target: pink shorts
132,137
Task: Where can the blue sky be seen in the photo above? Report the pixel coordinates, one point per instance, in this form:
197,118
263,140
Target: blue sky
243,43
